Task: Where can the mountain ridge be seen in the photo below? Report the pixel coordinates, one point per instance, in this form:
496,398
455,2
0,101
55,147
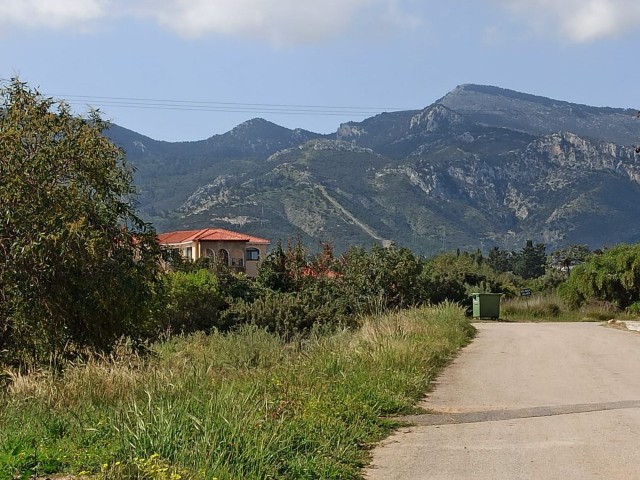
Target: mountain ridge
481,166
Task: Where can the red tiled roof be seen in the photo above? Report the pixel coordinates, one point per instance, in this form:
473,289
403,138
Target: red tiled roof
177,237
258,240
208,234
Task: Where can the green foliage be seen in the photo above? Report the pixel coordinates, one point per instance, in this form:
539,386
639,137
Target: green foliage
569,256
282,269
77,265
530,261
242,405
548,282
194,301
634,309
290,314
361,282
453,276
380,279
358,282
499,260
295,294
232,285
613,276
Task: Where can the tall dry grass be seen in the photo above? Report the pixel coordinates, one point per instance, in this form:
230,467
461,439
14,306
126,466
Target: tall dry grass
236,406
552,308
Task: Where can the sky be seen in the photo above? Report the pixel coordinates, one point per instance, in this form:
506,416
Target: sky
180,70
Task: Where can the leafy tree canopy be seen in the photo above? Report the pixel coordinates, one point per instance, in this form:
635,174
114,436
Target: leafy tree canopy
613,276
77,265
530,261
570,255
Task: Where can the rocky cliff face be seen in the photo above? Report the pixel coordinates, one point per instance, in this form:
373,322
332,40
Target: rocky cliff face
482,166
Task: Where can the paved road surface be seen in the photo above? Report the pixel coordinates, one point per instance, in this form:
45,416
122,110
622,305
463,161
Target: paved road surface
527,401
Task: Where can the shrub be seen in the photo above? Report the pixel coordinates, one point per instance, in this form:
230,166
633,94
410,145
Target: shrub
78,267
381,279
454,276
289,314
613,276
634,309
282,269
548,282
193,302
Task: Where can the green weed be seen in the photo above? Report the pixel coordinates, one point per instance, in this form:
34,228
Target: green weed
240,405
552,308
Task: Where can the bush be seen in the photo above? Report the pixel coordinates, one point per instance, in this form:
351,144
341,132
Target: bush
548,282
454,276
78,267
634,309
613,276
289,314
193,302
381,279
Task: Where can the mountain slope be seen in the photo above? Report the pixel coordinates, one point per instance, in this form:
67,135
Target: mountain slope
499,107
482,166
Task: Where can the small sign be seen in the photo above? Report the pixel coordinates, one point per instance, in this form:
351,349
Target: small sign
525,292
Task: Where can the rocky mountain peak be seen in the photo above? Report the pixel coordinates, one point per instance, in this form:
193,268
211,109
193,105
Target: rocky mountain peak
483,165
258,128
503,108
435,118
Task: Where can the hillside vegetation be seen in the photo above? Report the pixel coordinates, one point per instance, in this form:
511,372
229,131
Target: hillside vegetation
480,167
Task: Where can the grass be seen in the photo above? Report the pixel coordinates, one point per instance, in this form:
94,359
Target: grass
551,308
237,406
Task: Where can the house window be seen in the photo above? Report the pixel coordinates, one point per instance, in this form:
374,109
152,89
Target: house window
237,262
223,256
210,253
188,252
253,254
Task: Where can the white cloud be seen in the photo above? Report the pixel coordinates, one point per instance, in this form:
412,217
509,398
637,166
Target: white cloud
276,21
579,20
280,22
77,14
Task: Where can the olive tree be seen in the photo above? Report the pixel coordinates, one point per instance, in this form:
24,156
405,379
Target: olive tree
78,267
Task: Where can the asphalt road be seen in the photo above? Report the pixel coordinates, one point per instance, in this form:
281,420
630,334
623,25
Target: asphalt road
527,401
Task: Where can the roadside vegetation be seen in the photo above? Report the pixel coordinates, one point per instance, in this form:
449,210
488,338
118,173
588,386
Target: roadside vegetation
233,406
551,307
592,286
114,368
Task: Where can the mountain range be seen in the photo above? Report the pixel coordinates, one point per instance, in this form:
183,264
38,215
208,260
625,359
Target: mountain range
481,167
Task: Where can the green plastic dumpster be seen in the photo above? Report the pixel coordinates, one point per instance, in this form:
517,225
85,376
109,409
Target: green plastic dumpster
486,305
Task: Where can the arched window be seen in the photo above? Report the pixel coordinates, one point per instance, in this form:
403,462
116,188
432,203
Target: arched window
210,253
223,256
